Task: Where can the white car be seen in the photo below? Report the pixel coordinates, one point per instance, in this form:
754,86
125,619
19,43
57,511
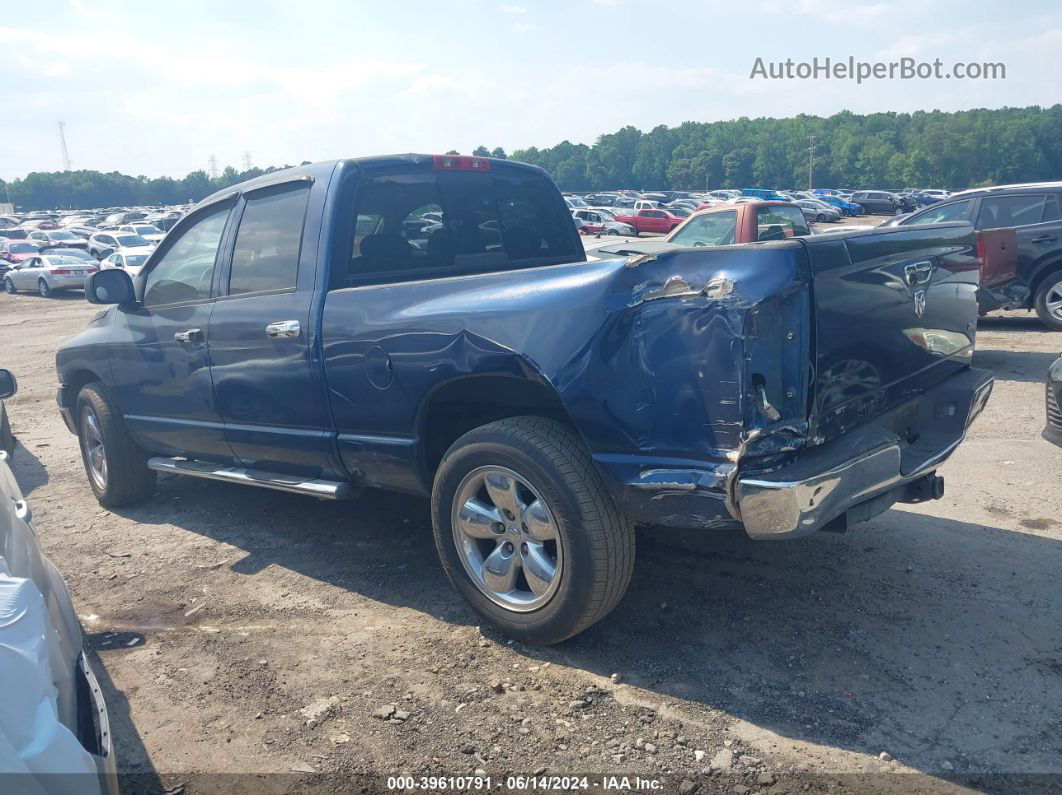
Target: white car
149,232
130,263
103,244
48,273
54,728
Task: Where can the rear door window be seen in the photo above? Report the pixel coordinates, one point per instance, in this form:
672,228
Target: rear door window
997,212
780,222
430,224
266,255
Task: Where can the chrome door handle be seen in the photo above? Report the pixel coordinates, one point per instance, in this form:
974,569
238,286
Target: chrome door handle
188,335
918,272
284,328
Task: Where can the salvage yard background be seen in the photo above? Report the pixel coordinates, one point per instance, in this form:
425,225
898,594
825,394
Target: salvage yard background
246,630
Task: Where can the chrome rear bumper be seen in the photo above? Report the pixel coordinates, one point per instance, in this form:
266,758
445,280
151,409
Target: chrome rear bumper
868,462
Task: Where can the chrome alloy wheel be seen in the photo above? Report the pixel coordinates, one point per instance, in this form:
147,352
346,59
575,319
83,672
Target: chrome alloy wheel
1053,302
507,538
95,453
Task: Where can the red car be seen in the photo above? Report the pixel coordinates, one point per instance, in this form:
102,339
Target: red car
650,221
13,251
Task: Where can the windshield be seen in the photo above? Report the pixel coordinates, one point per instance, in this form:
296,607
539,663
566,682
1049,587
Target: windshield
131,241
63,236
53,260
22,248
136,260
148,230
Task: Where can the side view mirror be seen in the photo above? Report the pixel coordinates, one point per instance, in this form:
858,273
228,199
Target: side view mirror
110,286
8,384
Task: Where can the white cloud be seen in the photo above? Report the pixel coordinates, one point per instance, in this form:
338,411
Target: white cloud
511,9
830,11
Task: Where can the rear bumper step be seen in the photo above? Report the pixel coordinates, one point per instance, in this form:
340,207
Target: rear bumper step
325,489
864,464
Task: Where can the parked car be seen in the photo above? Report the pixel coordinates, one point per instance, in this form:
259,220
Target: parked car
817,211
56,238
1033,211
14,234
103,244
648,220
748,222
1053,429
54,727
130,263
846,207
48,273
598,220
545,403
124,217
151,234
14,251
764,194
879,201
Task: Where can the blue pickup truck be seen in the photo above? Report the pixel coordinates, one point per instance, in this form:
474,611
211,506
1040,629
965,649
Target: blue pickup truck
430,325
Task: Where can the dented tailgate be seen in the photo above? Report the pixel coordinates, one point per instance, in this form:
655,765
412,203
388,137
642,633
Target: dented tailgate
895,311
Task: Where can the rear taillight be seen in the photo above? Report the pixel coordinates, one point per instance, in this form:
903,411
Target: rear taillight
460,163
981,250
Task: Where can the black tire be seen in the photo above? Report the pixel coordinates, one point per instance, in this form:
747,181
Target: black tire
1052,283
597,541
7,439
820,218
128,478
9,286
43,289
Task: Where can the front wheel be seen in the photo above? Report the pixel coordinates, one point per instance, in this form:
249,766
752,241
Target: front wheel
820,218
116,466
43,288
9,286
1048,301
527,532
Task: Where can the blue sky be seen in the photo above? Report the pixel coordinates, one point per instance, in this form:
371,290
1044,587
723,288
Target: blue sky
157,88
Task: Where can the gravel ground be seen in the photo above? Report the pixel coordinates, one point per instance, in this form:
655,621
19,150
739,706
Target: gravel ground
239,630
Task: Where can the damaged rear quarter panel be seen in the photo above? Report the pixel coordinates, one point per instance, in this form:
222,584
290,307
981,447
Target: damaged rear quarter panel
646,356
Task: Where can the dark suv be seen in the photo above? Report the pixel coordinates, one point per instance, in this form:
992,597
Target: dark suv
882,202
1033,211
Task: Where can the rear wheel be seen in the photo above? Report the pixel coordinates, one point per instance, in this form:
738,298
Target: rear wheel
115,464
820,218
9,286
1048,301
527,531
43,288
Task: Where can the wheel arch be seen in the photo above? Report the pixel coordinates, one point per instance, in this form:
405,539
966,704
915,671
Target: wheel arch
73,382
1041,272
456,406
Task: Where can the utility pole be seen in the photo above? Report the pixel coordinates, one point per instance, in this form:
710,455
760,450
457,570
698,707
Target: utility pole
248,164
811,158
62,145
212,167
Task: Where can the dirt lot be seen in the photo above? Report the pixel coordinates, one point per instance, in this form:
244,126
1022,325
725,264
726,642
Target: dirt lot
239,630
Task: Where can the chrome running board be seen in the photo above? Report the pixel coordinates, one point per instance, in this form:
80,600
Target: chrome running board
325,489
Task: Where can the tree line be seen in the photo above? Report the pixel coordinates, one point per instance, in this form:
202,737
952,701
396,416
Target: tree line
878,150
